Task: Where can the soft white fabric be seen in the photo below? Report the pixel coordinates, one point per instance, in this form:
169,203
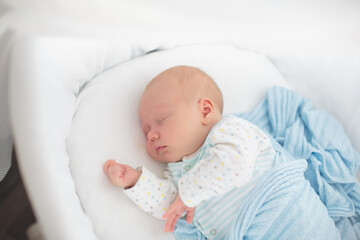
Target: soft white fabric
107,126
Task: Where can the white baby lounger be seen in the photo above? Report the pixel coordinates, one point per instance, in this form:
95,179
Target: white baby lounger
71,114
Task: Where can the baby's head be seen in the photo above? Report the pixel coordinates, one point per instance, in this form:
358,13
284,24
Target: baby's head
177,110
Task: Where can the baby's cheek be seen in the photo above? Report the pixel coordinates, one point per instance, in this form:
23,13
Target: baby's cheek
149,150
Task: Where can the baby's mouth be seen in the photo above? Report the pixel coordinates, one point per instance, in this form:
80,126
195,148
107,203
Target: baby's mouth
160,148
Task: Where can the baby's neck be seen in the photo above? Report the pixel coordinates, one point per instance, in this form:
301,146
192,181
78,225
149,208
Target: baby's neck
191,156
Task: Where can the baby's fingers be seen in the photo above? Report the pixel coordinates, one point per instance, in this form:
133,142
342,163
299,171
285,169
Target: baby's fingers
169,222
108,164
177,217
190,215
168,213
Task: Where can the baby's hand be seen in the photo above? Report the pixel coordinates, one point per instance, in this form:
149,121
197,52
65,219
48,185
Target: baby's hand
121,175
174,213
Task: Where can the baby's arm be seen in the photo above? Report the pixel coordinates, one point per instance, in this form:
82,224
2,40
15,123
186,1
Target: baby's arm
152,194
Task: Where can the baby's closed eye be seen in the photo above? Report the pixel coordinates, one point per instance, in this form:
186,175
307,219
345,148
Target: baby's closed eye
162,120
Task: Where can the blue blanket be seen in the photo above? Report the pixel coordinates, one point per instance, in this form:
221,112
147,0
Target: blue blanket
311,193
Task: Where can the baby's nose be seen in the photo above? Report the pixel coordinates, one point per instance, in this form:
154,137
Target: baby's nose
153,135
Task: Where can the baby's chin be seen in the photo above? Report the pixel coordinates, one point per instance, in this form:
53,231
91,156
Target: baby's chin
167,159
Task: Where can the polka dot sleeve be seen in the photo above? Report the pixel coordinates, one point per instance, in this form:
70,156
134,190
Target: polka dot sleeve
234,146
152,194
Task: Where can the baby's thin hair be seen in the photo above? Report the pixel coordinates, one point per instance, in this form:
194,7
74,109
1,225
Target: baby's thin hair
194,82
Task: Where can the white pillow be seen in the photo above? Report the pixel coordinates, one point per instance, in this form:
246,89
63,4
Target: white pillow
107,126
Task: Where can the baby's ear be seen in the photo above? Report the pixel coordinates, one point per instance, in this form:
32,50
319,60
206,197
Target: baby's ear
207,110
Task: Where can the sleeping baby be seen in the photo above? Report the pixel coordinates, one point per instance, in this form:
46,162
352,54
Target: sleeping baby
213,162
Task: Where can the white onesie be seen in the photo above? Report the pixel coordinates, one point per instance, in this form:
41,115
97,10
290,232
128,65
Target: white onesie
215,179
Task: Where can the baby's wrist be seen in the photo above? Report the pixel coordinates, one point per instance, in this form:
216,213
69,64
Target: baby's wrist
135,180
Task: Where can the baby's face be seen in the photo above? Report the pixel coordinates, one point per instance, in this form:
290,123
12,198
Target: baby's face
172,126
